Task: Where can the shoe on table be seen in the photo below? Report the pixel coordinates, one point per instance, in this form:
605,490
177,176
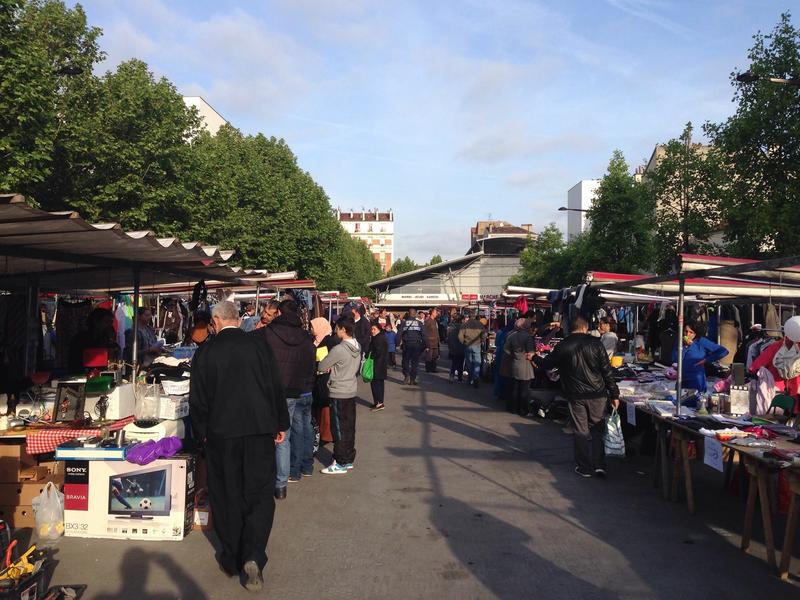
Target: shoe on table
600,473
335,469
254,580
582,473
280,493
377,407
294,478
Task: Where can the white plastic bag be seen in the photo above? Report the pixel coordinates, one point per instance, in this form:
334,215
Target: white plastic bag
614,442
48,509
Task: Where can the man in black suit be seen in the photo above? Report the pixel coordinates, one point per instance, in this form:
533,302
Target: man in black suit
238,410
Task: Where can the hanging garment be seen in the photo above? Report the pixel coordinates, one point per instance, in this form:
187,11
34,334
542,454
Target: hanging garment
521,304
787,361
771,321
765,391
70,321
765,360
729,338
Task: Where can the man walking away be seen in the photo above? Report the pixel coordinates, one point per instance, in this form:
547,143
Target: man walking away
472,335
238,411
455,349
296,356
413,343
432,341
586,380
343,362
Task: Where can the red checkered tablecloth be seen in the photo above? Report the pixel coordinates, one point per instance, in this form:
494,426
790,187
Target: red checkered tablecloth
48,440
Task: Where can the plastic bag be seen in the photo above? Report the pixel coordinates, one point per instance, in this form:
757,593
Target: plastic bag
368,369
48,509
613,440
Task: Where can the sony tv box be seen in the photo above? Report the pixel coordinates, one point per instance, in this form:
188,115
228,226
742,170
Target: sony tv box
122,500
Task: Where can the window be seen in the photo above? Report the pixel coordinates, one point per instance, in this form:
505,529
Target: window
358,227
369,227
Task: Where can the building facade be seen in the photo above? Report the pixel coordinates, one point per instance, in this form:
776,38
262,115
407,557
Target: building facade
579,200
212,120
376,229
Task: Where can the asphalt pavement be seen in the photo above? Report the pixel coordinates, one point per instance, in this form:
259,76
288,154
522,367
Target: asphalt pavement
453,498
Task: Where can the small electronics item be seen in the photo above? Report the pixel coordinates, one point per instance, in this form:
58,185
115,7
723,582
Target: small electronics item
70,400
140,494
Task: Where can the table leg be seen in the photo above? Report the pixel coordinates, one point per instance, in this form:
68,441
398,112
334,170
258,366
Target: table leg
766,516
676,465
662,436
788,538
687,475
749,514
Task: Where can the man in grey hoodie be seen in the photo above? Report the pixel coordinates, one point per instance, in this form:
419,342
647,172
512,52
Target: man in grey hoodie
343,362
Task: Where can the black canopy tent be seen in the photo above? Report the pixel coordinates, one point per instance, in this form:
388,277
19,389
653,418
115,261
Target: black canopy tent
60,251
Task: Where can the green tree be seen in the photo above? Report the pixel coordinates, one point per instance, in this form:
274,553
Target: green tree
435,259
621,232
402,265
548,262
761,145
687,189
47,53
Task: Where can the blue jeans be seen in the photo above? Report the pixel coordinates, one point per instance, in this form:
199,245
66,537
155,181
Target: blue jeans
283,450
302,438
472,362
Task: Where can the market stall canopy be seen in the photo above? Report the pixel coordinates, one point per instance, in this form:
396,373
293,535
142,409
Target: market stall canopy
715,278
614,296
62,251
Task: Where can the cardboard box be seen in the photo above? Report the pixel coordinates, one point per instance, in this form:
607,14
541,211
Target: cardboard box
13,460
202,510
18,516
22,493
173,407
121,500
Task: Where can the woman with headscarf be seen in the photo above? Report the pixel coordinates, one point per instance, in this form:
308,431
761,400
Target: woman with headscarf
520,347
324,340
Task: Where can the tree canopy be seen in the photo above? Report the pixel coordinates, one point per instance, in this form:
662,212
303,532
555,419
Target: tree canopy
122,146
403,265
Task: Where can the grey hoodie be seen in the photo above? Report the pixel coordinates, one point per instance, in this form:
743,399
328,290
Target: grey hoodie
343,361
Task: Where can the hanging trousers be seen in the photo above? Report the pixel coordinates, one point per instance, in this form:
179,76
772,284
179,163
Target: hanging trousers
241,481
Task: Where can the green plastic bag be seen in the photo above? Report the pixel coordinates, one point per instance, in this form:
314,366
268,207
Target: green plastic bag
368,369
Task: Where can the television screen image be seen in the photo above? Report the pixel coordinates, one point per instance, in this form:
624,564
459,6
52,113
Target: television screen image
140,493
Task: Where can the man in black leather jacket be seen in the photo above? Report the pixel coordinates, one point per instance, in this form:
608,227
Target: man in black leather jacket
586,379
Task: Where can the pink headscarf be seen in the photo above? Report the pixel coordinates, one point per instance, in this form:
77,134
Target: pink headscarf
321,328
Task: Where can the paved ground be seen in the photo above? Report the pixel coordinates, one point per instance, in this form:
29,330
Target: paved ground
452,498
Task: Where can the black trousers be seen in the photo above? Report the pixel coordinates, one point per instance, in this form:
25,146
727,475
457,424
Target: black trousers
241,482
588,421
343,428
457,366
411,354
431,360
518,396
378,386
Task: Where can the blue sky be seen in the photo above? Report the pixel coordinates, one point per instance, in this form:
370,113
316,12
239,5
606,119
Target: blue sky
448,111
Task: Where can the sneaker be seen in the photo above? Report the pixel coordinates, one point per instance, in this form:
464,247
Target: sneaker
254,579
335,469
294,479
406,380
349,466
541,413
377,407
600,473
306,474
465,374
414,382
582,473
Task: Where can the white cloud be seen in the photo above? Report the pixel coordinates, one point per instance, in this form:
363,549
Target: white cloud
514,141
652,12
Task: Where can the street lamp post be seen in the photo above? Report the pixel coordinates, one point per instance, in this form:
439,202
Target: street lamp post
563,208
750,77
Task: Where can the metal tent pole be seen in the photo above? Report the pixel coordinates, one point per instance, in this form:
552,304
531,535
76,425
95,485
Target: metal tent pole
258,293
679,383
135,349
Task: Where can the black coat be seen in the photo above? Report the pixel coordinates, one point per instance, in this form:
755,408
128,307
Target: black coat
379,351
362,333
294,352
236,388
320,391
583,367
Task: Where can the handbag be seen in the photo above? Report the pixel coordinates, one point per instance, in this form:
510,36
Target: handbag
613,440
368,369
